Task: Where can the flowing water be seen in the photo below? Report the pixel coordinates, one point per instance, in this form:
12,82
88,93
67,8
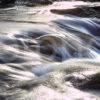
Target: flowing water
35,37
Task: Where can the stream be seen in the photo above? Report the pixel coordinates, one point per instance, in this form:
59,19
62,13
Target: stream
38,37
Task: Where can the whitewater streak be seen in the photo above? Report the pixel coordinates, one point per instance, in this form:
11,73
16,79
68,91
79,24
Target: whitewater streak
33,52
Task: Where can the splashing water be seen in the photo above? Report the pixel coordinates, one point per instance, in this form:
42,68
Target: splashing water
36,38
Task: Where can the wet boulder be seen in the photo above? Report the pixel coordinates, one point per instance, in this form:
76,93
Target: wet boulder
85,80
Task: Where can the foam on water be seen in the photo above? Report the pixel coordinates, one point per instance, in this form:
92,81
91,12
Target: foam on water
34,42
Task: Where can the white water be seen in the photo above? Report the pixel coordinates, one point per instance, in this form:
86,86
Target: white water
32,37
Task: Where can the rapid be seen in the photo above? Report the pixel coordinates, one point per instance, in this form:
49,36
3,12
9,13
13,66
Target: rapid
45,55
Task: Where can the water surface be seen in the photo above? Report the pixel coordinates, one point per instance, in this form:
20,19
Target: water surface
34,36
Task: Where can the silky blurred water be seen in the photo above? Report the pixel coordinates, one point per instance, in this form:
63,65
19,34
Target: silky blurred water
31,36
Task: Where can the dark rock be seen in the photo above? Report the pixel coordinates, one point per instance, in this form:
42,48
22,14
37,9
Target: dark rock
83,81
6,3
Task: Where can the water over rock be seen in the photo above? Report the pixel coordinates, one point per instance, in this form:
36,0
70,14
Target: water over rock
38,58
85,80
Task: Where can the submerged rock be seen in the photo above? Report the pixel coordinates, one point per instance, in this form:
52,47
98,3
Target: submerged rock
85,80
